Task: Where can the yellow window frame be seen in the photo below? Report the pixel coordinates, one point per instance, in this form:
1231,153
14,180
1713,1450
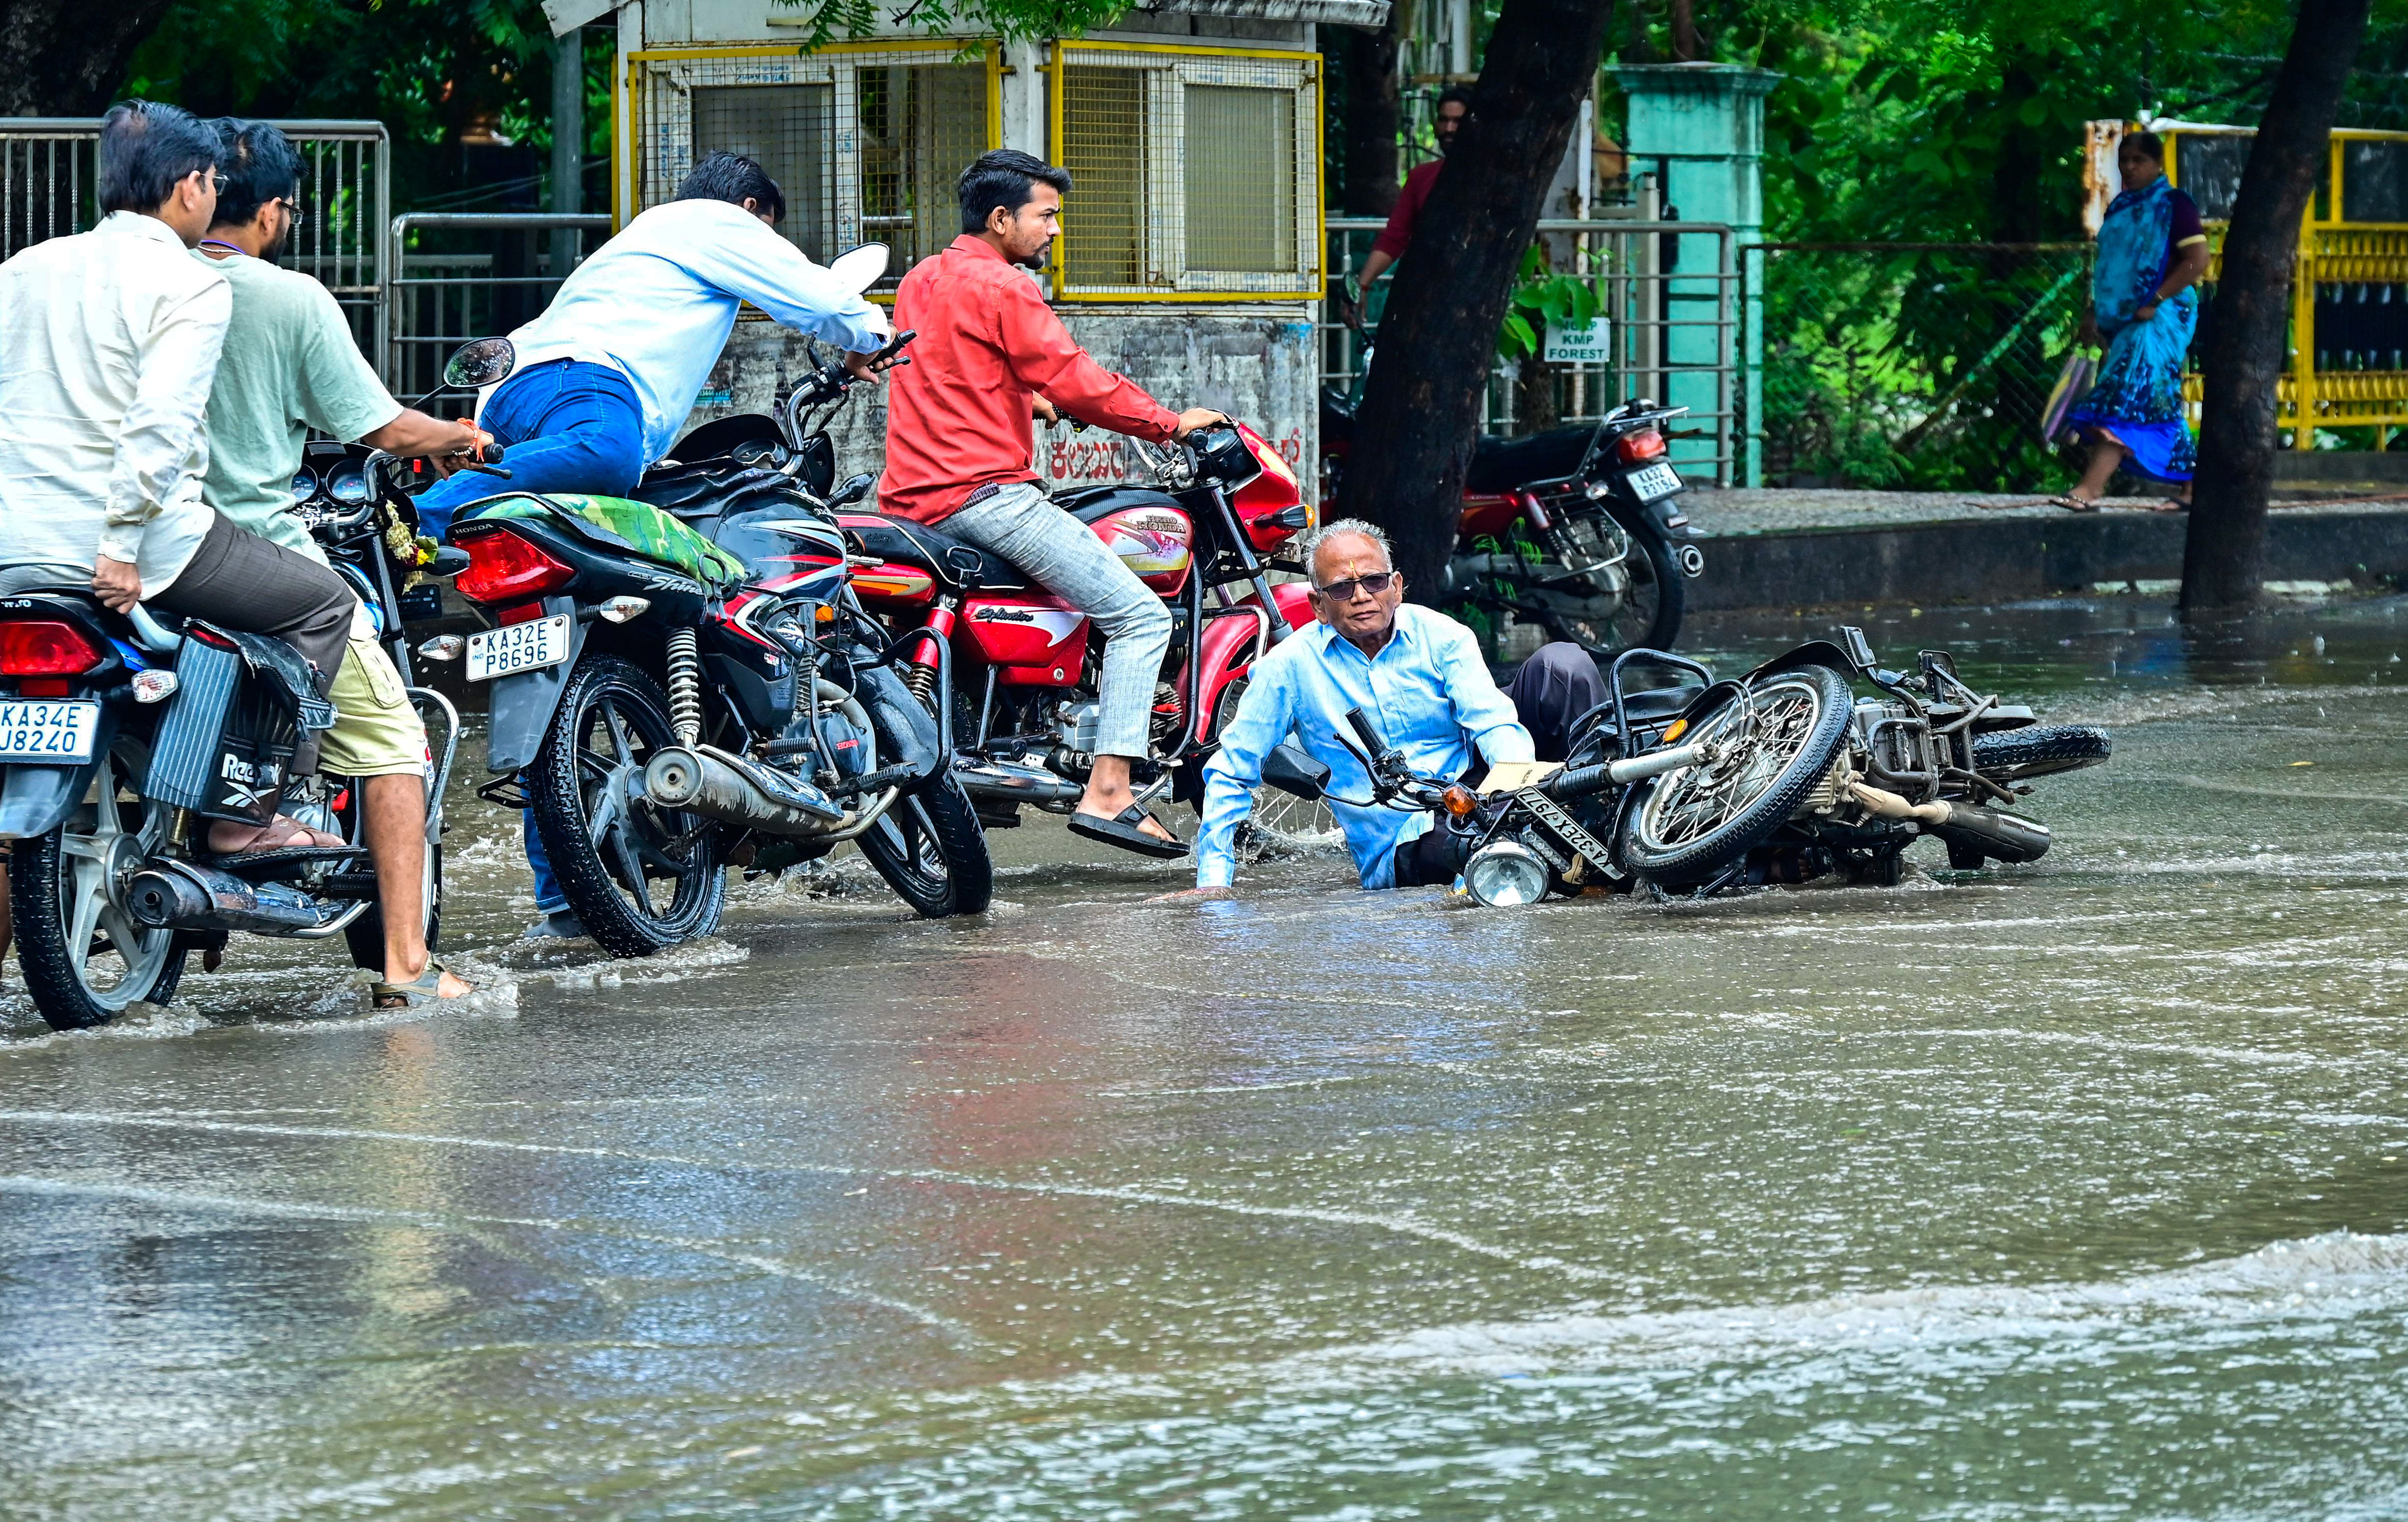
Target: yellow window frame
1307,283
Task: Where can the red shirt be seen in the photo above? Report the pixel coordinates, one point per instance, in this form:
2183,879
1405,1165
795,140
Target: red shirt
1399,231
957,415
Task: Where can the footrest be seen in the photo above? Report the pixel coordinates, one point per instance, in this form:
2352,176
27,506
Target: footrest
264,865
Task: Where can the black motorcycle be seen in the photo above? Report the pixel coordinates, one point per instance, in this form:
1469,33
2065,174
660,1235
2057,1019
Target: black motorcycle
1688,784
1577,530
688,679
124,736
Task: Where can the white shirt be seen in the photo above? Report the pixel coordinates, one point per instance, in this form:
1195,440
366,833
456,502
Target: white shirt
657,302
111,340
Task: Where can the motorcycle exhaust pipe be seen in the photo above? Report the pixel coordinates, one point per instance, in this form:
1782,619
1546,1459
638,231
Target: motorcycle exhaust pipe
2010,838
702,779
186,895
1016,784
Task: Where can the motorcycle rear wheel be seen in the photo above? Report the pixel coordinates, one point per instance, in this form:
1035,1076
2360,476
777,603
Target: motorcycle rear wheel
72,945
1647,616
1781,742
931,849
641,878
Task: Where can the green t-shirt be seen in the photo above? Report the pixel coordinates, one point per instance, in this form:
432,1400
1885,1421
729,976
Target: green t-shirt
289,366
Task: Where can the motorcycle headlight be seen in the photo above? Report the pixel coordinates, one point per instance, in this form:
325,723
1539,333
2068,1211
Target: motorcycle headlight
1503,874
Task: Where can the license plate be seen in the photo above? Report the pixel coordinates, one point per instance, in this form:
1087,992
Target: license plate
51,732
1654,480
518,647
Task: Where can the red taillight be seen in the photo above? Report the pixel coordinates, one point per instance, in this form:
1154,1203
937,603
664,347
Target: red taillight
41,648
1635,448
503,567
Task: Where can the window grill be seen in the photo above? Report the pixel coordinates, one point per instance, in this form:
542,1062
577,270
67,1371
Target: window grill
1197,172
865,143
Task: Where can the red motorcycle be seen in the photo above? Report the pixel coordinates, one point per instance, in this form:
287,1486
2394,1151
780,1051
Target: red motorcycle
1010,671
1576,530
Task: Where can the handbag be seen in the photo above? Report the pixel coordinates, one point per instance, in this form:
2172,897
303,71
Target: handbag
2073,385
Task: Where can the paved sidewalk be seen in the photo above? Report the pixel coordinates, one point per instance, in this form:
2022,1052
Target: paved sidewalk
1743,511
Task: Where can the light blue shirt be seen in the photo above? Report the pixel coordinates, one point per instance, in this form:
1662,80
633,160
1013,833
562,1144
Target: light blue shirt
657,302
1428,693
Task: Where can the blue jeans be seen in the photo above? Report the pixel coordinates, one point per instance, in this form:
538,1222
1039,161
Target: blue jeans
565,425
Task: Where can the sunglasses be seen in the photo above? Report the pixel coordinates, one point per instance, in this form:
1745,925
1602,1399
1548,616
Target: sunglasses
1375,583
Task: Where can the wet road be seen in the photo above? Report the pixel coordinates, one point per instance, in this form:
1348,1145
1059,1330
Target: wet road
2071,1189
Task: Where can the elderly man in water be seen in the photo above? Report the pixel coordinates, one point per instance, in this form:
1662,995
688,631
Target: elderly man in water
1420,677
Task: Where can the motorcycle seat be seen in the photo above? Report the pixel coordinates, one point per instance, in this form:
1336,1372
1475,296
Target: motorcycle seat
1501,465
1656,703
954,563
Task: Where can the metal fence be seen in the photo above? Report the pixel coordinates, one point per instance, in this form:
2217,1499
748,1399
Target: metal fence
461,274
1908,364
49,186
1670,296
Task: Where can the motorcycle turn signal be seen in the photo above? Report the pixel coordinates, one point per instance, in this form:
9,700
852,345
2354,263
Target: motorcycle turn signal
1460,801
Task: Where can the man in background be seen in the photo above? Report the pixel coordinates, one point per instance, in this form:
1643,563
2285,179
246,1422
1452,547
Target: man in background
1454,108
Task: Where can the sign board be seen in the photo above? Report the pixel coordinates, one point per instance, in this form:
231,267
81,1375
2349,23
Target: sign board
1583,344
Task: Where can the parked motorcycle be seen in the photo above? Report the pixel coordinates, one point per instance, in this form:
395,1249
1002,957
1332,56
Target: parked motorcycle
1577,530
680,678
1015,668
123,737
1687,783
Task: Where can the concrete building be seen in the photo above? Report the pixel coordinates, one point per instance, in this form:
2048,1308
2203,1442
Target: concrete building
1193,244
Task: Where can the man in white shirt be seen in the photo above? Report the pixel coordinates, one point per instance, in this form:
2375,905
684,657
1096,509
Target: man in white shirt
111,340
608,374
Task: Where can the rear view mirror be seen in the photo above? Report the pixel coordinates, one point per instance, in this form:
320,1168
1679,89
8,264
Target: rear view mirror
481,363
1291,771
859,270
854,490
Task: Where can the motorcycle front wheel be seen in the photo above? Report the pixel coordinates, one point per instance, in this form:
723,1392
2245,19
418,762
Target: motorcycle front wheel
83,957
1778,737
640,877
931,849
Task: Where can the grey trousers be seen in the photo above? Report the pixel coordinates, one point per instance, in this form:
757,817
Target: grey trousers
1066,558
244,582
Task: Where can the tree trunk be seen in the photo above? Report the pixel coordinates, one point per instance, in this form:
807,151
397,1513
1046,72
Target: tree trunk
1369,121
59,58
1686,48
2224,556
1420,415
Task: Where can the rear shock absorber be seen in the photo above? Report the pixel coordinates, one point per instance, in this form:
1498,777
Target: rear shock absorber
921,676
685,687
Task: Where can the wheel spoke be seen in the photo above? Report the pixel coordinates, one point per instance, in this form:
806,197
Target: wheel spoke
619,742
90,897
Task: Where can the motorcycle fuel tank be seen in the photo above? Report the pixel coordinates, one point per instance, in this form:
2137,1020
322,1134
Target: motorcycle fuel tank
1150,533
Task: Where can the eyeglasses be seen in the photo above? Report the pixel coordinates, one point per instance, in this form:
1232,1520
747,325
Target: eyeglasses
217,179
1375,583
294,210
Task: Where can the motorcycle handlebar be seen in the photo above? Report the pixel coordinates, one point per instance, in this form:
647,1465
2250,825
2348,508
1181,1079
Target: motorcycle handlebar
1372,743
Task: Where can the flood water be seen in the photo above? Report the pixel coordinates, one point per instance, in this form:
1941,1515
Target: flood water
2076,1189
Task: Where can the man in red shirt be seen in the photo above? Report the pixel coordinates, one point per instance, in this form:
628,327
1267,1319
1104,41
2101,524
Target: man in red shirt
990,355
1454,107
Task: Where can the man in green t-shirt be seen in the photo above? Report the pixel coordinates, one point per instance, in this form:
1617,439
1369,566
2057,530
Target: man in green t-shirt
290,365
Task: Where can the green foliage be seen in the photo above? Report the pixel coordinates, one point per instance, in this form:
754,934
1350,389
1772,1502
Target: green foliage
1543,299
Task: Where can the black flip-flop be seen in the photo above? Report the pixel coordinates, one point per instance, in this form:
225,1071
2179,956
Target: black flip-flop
1121,830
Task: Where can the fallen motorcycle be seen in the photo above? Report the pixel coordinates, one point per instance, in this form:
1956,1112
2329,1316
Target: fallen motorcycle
1812,779
123,737
1694,785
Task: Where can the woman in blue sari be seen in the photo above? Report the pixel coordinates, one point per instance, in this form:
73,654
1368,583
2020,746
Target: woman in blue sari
2152,252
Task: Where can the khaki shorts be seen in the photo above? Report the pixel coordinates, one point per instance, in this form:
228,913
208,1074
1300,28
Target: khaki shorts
377,729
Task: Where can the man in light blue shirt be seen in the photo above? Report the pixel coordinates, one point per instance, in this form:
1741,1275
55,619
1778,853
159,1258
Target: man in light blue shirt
608,374
1420,678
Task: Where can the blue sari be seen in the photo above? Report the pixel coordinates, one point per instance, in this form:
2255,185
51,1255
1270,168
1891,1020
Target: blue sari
2137,400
